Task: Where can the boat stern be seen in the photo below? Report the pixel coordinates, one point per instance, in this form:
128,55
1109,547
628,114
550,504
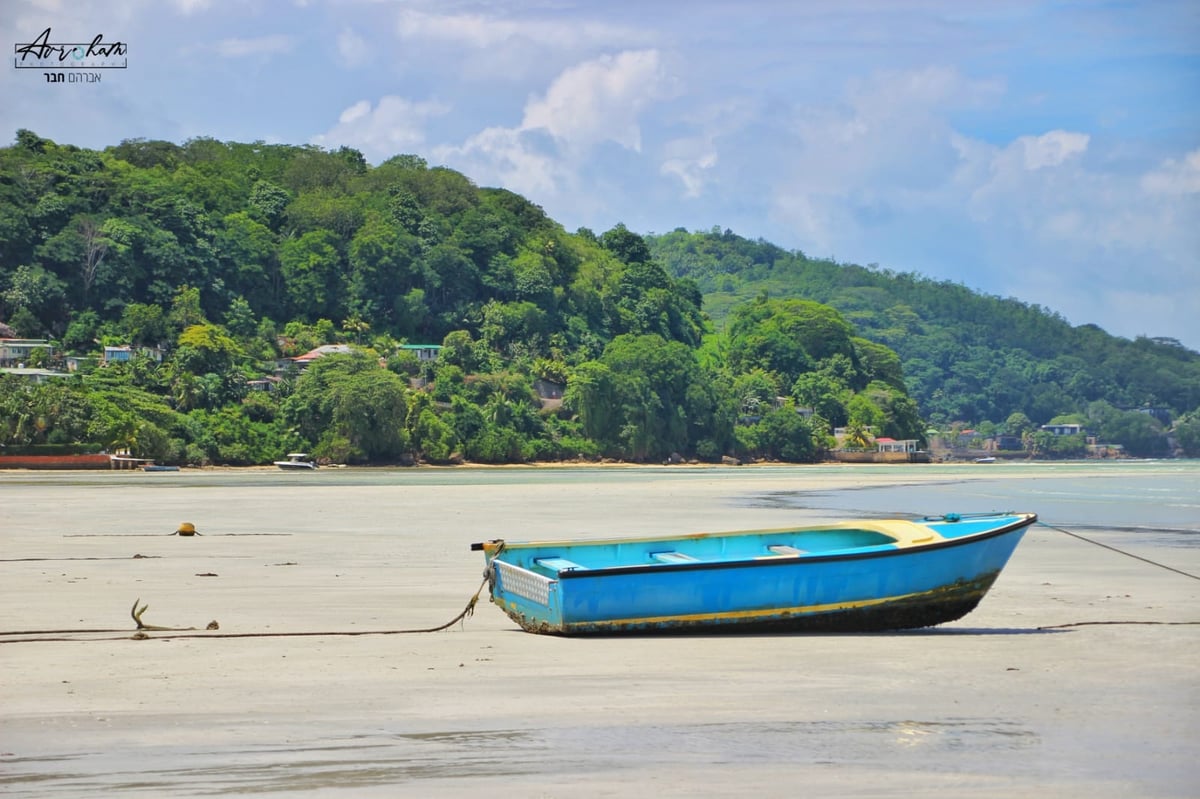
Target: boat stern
532,600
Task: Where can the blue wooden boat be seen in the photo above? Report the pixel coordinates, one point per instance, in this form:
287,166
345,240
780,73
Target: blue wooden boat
858,576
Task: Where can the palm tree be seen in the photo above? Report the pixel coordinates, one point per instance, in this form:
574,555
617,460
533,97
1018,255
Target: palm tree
857,436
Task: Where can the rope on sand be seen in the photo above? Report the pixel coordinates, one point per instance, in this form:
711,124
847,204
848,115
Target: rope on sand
143,629
1127,554
1121,551
1091,623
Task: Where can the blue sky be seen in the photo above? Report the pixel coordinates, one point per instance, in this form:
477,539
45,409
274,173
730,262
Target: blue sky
1048,151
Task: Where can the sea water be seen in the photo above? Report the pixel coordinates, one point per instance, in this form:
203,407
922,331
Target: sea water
1156,502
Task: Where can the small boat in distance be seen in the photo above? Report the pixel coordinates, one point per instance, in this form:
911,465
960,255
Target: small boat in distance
856,576
297,461
159,467
987,459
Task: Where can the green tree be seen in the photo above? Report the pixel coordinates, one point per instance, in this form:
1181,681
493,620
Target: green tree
825,395
268,203
311,265
1139,433
629,247
756,391
865,413
591,394
207,348
1187,433
785,435
368,410
248,254
858,436
459,349
348,408
1018,424
433,439
653,382
879,362
144,325
82,334
185,308
239,319
38,291
788,337
383,264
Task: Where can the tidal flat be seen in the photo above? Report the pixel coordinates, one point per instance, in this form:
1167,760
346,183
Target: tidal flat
1076,676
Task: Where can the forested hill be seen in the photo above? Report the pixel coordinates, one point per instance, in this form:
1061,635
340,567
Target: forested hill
213,265
966,356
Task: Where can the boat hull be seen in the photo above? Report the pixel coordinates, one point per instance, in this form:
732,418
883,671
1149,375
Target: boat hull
875,587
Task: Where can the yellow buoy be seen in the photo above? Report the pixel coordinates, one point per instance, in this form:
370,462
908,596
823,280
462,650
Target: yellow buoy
187,528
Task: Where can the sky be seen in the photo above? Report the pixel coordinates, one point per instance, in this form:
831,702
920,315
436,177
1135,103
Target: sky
1046,150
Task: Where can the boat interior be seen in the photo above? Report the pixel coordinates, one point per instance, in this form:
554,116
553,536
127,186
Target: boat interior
550,558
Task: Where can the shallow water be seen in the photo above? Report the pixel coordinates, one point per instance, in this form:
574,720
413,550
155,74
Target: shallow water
1156,502
381,757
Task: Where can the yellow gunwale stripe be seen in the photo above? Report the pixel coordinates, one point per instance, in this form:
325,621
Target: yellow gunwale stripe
903,530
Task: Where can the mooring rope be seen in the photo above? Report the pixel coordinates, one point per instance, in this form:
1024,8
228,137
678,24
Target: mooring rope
1095,623
142,630
1121,551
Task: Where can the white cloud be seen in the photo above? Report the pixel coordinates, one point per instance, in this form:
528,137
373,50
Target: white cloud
352,48
881,173
691,160
257,46
1175,177
1037,182
473,30
358,111
480,31
1051,149
586,105
510,158
188,7
394,125
509,45
599,100
884,148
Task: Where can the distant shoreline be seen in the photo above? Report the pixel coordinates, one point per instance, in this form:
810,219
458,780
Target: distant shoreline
613,465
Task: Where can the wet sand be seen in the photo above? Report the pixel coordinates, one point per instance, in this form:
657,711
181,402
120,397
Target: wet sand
988,706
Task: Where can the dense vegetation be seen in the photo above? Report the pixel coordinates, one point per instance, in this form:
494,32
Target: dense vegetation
217,262
968,360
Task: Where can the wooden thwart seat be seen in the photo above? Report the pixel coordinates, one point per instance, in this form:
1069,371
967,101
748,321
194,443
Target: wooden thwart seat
672,557
558,564
784,549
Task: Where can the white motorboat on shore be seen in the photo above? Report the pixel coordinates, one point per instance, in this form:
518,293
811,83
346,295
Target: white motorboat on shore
297,461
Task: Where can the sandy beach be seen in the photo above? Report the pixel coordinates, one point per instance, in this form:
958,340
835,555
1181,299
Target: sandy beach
990,706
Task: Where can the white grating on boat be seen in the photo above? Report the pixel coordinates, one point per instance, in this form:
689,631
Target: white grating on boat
515,580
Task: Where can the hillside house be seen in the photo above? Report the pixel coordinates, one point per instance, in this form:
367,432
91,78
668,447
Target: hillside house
325,349
126,353
32,375
117,355
16,351
886,444
1063,429
424,352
